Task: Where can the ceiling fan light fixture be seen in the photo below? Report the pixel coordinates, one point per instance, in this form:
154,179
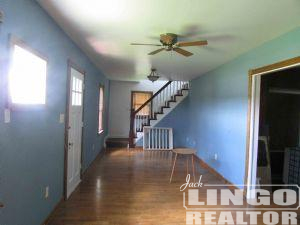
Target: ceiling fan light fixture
153,76
169,42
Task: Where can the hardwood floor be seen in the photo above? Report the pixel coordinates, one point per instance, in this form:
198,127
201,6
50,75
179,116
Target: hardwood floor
128,188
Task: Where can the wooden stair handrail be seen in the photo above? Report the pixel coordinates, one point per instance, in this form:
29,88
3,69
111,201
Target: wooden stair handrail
153,96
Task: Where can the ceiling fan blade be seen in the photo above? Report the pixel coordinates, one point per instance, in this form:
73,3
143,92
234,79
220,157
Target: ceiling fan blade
191,43
182,52
145,44
156,51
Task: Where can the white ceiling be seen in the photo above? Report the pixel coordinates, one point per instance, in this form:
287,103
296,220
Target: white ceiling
104,29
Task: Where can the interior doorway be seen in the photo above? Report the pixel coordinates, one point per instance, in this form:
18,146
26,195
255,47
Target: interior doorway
273,125
138,98
74,126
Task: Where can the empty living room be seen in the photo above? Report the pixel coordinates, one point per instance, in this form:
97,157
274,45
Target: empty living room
149,112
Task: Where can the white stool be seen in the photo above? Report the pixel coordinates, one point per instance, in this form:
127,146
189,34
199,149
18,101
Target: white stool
184,151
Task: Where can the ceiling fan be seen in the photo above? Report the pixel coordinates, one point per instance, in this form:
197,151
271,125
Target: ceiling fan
169,43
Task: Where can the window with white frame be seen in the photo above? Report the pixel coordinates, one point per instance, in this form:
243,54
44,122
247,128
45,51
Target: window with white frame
101,106
77,91
27,77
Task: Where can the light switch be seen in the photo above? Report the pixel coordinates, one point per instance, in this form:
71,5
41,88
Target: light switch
61,118
6,115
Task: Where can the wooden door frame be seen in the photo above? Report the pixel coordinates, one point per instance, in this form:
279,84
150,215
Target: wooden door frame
74,66
146,92
282,65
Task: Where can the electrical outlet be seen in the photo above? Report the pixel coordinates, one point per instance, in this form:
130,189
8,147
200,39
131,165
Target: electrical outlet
216,156
61,118
46,192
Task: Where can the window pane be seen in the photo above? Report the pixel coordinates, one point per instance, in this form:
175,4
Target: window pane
73,98
79,98
27,77
80,85
74,84
139,98
100,116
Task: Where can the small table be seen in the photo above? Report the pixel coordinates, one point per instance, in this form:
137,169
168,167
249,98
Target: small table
184,151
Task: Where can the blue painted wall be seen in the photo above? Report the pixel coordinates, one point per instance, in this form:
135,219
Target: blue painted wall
180,126
215,113
32,145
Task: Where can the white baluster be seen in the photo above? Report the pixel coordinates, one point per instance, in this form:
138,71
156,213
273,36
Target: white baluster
162,98
159,147
172,88
154,106
167,131
152,141
167,98
148,139
134,124
169,91
158,102
170,140
139,122
163,138
155,138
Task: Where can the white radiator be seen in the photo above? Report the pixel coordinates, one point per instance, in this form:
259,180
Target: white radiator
158,138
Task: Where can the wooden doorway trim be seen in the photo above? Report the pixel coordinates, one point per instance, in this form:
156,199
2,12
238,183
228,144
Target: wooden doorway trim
282,65
145,92
74,66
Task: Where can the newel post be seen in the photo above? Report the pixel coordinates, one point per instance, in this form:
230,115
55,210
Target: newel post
131,131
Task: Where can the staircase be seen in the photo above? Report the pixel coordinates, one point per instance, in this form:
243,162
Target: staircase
161,104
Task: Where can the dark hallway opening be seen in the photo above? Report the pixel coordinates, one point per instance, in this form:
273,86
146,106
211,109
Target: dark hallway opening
279,127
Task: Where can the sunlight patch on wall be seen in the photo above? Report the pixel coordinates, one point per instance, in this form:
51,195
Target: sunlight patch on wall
95,11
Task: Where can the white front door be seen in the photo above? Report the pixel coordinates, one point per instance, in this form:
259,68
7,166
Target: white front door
75,122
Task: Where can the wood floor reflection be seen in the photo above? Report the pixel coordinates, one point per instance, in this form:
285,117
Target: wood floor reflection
130,188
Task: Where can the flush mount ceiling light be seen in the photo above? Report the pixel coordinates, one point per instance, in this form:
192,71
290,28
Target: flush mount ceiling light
153,76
